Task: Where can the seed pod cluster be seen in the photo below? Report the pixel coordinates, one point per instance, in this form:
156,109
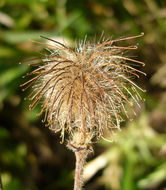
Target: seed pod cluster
84,90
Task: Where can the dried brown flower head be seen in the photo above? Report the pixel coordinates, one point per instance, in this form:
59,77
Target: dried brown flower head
84,90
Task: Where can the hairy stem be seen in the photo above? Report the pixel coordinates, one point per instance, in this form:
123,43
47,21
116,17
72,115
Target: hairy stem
80,160
80,144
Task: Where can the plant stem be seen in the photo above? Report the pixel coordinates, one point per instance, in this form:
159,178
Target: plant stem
80,144
80,160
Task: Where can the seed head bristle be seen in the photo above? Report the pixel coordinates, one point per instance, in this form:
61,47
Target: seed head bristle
86,89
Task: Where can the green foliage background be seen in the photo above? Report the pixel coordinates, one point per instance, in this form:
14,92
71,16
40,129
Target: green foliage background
31,156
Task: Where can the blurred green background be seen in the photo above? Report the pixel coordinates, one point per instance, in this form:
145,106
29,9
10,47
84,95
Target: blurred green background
31,157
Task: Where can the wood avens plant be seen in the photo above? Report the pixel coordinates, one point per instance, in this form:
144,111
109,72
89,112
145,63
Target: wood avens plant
83,91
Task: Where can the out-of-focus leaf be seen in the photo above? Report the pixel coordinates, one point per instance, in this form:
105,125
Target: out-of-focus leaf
17,37
32,115
15,158
6,52
4,133
127,179
10,183
71,20
4,93
7,77
21,1
21,149
11,74
154,178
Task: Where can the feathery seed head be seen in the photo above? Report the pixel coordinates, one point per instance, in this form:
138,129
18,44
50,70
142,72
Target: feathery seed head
84,90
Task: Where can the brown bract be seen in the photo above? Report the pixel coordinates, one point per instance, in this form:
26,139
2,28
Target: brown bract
84,90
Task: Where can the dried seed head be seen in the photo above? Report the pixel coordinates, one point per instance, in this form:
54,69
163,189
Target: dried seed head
84,91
